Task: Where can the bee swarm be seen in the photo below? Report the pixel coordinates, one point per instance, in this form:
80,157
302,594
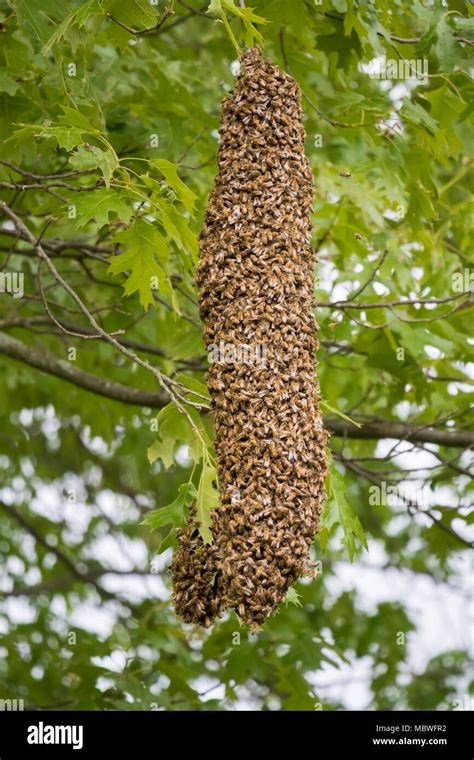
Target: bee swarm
255,280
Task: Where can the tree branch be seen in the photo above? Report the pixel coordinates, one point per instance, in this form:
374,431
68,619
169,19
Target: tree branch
390,304
31,175
51,365
378,429
168,11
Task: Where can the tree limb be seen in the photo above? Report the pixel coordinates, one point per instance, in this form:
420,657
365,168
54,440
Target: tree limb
65,370
378,429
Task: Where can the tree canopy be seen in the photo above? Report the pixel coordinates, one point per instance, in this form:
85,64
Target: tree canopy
109,118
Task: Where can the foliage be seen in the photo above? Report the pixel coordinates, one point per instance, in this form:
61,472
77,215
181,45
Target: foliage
109,111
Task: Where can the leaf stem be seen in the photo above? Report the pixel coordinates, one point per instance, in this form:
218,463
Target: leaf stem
230,33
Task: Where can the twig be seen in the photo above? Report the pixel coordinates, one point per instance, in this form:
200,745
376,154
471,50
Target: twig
31,175
372,276
191,144
150,30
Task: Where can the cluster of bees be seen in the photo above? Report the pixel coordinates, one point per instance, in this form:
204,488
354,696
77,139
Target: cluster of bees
255,281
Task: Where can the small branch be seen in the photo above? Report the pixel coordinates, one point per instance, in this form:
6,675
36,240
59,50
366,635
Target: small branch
76,572
41,177
372,276
377,429
412,510
65,582
49,185
195,11
389,304
191,144
150,30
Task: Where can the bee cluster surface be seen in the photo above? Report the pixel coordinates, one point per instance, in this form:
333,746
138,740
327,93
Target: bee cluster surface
255,280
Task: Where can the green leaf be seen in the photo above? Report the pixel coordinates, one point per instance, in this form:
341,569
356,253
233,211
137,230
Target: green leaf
174,513
37,15
77,16
292,597
170,173
69,133
465,24
66,137
91,157
173,424
416,114
207,499
73,117
251,35
215,8
99,205
169,541
339,511
7,83
136,14
161,450
175,427
144,245
446,46
352,21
